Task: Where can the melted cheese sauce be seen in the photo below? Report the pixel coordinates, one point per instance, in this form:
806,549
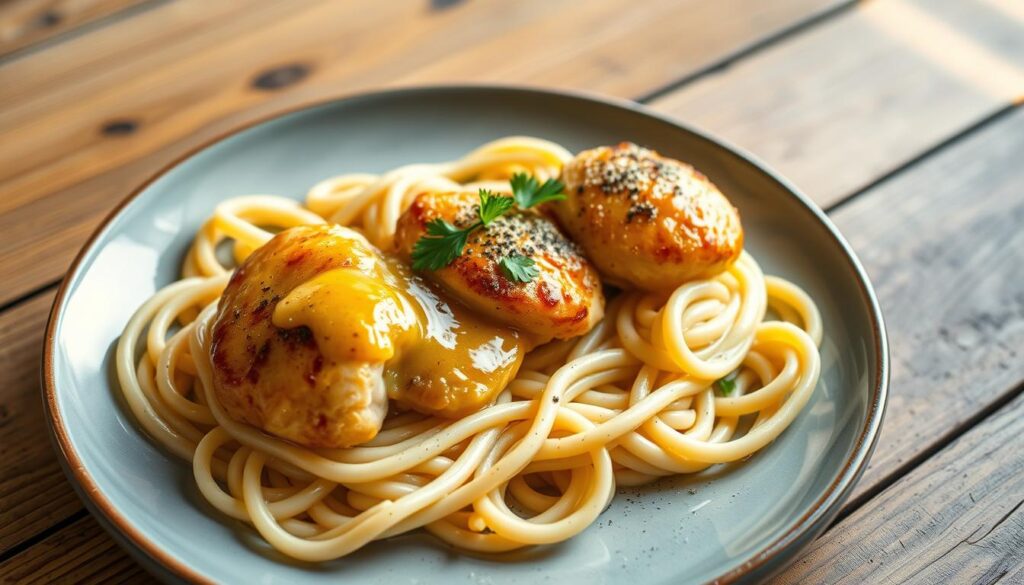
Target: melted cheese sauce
439,357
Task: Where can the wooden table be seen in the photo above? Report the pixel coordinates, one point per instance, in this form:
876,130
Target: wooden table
901,118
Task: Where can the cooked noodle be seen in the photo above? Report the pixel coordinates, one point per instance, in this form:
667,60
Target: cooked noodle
631,401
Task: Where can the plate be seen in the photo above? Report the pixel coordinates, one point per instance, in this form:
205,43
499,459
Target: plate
736,523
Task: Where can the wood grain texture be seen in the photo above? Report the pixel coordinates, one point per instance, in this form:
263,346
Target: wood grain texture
92,117
27,22
958,518
944,247
33,491
859,95
80,553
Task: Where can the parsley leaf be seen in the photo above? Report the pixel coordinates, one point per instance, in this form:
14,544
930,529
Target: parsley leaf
528,191
442,244
492,206
726,385
519,268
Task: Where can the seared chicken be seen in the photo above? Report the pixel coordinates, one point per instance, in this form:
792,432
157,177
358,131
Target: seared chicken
563,301
278,379
647,221
317,330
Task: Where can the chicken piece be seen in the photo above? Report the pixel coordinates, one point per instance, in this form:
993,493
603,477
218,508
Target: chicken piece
647,221
278,379
565,300
317,330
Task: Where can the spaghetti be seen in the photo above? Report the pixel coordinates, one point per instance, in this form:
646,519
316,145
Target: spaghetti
633,400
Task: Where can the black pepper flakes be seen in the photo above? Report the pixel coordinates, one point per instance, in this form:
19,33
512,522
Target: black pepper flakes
643,210
631,170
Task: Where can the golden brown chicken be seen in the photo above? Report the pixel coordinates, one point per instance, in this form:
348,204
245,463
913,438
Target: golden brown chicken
317,329
564,300
647,221
278,379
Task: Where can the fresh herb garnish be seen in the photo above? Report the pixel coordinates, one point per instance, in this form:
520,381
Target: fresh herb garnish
726,385
492,206
519,268
443,242
528,191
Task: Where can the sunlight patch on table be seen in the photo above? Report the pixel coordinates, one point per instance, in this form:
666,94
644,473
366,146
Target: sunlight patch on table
949,49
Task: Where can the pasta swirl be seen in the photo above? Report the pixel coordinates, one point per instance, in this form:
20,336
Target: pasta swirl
631,401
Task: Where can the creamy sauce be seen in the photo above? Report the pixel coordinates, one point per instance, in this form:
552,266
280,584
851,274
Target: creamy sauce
439,357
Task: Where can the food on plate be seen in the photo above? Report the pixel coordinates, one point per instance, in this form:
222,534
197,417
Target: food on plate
483,348
645,220
521,270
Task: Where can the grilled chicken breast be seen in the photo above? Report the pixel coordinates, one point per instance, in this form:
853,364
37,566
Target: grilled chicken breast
278,379
647,221
563,301
317,330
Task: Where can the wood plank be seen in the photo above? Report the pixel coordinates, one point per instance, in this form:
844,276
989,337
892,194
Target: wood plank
33,491
959,518
534,38
856,97
27,22
96,115
80,553
944,248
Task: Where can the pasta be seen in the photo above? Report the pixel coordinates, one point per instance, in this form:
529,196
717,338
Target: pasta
633,400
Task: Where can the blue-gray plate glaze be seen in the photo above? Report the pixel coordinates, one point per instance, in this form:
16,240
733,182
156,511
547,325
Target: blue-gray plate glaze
736,523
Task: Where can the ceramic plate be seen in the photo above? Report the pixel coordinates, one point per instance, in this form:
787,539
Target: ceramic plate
736,523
